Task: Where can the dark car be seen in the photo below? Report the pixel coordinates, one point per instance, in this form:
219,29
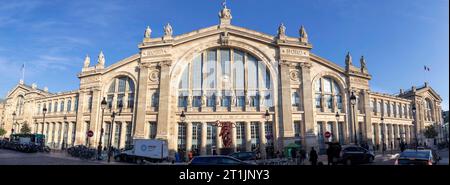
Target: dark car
356,155
217,160
415,157
244,156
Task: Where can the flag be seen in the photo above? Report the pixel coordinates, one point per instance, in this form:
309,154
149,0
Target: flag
426,68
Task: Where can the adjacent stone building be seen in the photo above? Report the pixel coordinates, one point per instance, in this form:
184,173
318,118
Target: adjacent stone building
227,73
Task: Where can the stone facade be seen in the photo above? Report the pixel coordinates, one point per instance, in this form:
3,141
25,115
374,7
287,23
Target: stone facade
301,91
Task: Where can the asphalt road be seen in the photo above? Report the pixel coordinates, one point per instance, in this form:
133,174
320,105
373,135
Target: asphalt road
10,157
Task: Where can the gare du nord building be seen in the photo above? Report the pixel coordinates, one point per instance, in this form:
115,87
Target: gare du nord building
226,73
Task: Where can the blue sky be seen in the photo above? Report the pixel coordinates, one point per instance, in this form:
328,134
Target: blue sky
397,37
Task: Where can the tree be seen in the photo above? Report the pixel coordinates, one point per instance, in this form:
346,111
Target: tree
2,132
430,132
25,129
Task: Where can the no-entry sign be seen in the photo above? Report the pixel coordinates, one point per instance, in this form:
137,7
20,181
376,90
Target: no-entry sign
327,134
90,133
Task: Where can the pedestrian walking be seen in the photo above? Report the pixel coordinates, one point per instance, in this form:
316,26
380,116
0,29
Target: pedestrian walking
313,156
302,156
190,155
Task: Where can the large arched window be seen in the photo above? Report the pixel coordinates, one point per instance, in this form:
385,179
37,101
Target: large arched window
69,105
61,106
327,90
220,78
121,90
19,105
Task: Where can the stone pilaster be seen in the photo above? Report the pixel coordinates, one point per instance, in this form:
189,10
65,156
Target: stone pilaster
286,107
141,103
367,119
79,136
164,101
310,136
95,116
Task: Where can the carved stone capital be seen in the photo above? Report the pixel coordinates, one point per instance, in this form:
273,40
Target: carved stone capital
306,65
166,63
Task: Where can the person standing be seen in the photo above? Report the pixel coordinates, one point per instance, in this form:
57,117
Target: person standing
313,156
190,155
330,155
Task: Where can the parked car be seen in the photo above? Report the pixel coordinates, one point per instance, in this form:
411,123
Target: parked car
356,155
217,160
416,157
244,156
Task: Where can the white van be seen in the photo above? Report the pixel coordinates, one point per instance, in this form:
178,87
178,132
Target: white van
152,150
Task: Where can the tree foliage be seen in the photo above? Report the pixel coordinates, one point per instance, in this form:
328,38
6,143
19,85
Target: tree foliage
25,129
430,131
2,132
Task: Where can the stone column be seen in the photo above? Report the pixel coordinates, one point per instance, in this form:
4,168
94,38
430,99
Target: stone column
233,136
218,140
377,132
164,111
396,136
248,138
262,136
335,132
141,103
406,131
310,136
203,138
188,137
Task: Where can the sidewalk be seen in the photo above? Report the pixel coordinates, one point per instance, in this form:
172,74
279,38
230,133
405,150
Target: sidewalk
64,155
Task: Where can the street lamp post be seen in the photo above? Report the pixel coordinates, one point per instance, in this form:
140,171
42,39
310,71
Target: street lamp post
268,137
337,122
13,124
99,147
44,110
113,116
353,102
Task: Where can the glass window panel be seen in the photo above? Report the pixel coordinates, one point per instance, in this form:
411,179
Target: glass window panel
184,82
122,83
265,73
155,99
252,72
181,136
226,68
318,85
327,85
61,107
211,69
238,69
112,87
128,139
318,100
336,88
130,85
69,105
329,101
197,75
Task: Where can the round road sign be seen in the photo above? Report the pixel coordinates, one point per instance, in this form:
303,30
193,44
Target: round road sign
327,134
90,133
